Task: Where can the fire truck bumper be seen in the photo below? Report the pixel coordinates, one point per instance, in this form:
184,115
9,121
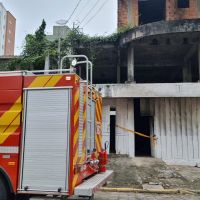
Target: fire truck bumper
91,185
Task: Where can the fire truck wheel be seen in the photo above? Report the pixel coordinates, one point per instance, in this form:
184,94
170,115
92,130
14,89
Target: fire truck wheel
3,190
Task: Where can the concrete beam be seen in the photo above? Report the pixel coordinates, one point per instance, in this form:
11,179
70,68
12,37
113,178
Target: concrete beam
161,28
150,90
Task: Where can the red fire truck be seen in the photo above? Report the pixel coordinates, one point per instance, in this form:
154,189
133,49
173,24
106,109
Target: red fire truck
50,134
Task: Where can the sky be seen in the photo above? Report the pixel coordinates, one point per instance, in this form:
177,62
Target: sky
29,15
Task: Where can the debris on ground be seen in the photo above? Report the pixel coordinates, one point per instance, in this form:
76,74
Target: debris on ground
137,172
141,196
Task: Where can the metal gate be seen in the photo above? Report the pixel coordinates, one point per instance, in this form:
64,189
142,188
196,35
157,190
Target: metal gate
45,159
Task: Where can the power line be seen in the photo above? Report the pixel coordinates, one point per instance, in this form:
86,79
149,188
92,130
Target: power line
97,12
74,10
81,11
88,13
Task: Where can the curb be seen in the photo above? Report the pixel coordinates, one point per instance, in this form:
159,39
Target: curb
164,191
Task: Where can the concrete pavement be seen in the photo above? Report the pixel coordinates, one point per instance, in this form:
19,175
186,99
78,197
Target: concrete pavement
140,196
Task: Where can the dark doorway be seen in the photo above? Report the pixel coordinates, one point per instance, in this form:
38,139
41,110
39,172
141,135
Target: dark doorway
151,11
112,130
183,3
142,125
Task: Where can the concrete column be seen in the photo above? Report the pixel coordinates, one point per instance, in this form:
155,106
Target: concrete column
130,67
130,13
47,63
198,6
187,67
125,141
121,135
106,125
130,125
187,72
118,66
199,59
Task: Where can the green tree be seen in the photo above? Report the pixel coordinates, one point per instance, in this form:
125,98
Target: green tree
35,49
40,33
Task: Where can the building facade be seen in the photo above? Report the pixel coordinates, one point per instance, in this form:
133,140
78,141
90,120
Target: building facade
7,32
58,32
151,81
2,28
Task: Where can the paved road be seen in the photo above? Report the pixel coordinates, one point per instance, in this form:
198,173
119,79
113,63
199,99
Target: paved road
133,196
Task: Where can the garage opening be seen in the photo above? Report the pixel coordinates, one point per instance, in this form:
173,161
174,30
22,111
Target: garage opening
151,11
142,125
112,130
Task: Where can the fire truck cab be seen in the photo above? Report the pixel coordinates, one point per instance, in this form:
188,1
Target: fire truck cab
51,134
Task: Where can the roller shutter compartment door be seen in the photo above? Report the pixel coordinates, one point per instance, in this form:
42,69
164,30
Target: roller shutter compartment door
45,163
91,125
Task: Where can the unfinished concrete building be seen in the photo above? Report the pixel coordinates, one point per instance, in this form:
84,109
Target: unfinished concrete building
151,81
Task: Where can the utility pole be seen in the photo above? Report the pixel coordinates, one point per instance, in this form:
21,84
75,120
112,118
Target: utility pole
59,52
61,23
47,63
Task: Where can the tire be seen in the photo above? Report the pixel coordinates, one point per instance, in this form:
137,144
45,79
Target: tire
3,190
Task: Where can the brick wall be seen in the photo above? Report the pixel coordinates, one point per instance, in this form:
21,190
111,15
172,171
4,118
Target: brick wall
10,35
175,13
125,18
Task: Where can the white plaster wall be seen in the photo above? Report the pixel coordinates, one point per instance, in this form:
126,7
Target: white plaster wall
107,104
124,117
106,126
175,122
2,29
121,136
177,126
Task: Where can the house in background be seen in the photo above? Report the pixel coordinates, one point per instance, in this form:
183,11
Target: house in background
151,81
7,32
58,32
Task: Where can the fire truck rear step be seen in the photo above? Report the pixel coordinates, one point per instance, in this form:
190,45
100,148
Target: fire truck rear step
88,187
